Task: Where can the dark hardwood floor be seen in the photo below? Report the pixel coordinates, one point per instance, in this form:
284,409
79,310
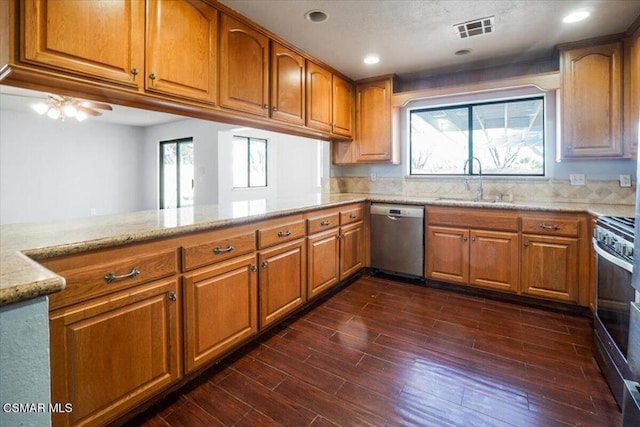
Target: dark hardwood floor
384,353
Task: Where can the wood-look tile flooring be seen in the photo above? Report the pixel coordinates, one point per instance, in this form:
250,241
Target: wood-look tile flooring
384,353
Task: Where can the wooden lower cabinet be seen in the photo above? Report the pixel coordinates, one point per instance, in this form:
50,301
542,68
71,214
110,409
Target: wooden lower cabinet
550,267
111,353
221,309
323,251
282,280
474,257
351,249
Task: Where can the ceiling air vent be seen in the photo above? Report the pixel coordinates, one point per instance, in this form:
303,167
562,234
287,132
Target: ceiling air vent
477,27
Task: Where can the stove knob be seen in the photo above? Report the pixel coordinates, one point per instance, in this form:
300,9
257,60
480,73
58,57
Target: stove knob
627,250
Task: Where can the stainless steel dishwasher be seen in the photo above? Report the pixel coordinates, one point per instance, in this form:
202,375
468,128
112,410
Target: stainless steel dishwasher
397,239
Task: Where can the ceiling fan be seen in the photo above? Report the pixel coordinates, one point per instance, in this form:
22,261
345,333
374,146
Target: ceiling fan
59,107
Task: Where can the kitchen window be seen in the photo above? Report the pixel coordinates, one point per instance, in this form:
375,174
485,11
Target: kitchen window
504,137
176,173
249,162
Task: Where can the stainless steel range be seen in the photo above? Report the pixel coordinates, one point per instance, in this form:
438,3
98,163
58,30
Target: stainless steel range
613,242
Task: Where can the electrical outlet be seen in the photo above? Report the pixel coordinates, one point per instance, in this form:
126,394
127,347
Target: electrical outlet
577,179
625,180
373,176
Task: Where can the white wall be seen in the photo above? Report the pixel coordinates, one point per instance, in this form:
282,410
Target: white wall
205,157
292,168
52,170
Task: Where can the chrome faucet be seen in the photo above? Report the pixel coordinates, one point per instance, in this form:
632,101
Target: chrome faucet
480,191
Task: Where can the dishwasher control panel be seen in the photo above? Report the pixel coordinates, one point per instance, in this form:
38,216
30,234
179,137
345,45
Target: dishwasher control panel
397,210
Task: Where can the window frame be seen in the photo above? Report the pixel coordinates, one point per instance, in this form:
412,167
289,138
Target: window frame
469,106
248,161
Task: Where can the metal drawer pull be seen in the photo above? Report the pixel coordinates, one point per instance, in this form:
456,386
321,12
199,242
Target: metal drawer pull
549,227
218,250
112,276
353,216
284,233
172,296
325,222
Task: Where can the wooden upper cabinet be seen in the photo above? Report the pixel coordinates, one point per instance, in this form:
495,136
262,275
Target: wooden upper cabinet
373,142
244,68
181,50
319,94
288,74
102,38
342,101
592,102
632,92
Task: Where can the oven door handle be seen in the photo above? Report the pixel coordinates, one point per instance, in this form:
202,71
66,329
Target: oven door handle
611,258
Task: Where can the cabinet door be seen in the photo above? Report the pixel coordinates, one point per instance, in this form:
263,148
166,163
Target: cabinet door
448,254
111,353
342,107
373,112
550,267
288,74
351,249
282,281
319,93
244,68
221,309
592,102
323,262
100,38
181,49
493,260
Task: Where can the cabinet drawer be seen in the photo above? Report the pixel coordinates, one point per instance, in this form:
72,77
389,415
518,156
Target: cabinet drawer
487,219
323,222
87,280
551,225
217,250
280,233
351,214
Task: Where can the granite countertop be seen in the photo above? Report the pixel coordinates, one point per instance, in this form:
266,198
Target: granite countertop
21,245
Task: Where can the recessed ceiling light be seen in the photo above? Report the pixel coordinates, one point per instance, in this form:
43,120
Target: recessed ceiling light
576,16
371,59
316,16
462,52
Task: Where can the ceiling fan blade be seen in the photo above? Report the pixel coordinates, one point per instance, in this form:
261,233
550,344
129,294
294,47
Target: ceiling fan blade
93,104
88,110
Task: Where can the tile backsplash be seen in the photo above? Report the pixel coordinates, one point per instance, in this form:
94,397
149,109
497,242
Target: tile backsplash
538,190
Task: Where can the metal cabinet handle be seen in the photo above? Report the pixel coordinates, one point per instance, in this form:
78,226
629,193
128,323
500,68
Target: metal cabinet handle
110,277
152,76
134,71
218,250
172,296
526,243
465,238
253,268
325,222
264,264
549,227
275,108
265,106
353,216
473,239
284,233
340,236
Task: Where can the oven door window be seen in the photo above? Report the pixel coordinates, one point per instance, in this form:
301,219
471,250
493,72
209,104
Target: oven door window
614,295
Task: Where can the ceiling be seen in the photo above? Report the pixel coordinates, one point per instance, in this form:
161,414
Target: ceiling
414,37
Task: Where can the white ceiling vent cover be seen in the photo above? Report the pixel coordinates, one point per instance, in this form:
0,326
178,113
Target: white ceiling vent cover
477,27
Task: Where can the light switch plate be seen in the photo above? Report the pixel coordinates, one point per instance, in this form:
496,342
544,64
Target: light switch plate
625,180
577,179
373,177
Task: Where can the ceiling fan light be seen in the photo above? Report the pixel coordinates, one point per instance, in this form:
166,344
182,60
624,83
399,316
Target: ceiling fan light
70,110
40,108
81,116
54,113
